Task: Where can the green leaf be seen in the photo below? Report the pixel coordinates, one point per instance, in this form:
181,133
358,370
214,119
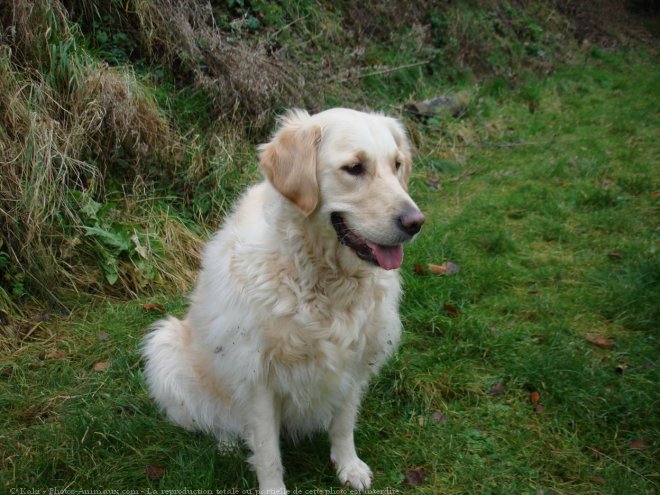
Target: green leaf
90,209
139,248
101,37
114,238
110,270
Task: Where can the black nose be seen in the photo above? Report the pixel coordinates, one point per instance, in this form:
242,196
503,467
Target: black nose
411,221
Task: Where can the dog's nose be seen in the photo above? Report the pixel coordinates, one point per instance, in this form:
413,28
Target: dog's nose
411,221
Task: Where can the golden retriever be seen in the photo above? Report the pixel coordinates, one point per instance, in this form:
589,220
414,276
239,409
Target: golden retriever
296,304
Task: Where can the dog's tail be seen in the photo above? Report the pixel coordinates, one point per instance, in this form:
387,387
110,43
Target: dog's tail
168,371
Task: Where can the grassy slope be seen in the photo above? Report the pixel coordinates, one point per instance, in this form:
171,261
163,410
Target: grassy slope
531,226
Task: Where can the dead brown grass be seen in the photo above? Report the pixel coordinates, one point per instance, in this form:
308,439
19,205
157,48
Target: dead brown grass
244,81
62,130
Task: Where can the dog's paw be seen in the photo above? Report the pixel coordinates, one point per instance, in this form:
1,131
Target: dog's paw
356,473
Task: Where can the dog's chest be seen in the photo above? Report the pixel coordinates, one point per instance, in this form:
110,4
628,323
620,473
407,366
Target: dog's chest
334,325
317,358
318,329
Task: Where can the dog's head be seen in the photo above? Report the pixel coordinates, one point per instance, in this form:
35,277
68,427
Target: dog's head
351,170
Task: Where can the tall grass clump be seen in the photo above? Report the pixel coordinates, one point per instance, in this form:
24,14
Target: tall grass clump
111,173
74,131
229,52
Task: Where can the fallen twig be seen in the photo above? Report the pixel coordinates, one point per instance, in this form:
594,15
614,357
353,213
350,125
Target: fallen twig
341,79
595,450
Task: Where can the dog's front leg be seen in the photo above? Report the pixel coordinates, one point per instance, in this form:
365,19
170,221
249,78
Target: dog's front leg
263,437
350,468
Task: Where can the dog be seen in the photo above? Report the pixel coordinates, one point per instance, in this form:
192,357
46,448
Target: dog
296,304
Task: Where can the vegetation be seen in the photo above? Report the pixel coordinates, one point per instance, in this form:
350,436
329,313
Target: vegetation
127,129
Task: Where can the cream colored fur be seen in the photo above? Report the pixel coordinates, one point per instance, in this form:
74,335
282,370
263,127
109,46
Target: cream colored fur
285,324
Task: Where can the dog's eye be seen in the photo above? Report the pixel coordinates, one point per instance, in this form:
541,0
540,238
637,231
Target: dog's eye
354,169
397,164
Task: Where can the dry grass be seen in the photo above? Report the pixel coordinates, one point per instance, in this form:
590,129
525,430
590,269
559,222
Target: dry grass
63,131
72,123
244,81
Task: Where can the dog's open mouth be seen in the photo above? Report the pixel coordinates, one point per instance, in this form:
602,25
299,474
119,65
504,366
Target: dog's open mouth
387,257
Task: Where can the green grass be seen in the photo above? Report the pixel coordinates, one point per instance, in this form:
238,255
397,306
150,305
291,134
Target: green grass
532,206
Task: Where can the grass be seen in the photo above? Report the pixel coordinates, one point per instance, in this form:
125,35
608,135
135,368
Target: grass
546,197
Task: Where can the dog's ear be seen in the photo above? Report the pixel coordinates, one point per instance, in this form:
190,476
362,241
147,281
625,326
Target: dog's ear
289,160
403,143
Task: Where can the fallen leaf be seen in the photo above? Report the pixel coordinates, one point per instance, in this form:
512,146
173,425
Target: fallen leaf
614,255
599,341
438,417
55,354
154,307
598,480
437,269
104,336
101,367
433,183
416,477
497,389
535,397
154,473
655,195
447,268
638,444
452,310
419,270
421,421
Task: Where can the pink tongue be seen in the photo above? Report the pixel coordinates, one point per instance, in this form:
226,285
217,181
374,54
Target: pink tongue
388,257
